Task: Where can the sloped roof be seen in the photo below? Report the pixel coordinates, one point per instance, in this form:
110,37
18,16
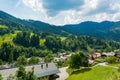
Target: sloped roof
38,70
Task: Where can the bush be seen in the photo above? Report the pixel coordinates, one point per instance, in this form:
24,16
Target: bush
33,60
1,62
111,59
77,60
21,61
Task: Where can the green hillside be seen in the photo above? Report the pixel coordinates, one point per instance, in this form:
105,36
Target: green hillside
35,38
105,30
8,37
96,73
3,26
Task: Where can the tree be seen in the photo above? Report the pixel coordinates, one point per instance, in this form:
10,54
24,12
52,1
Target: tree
74,61
0,77
77,60
11,57
33,60
111,59
53,43
5,51
21,61
30,75
11,77
1,62
4,30
35,41
22,38
21,73
49,58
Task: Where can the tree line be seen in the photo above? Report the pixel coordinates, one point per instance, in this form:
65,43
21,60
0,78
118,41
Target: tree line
10,52
71,43
28,44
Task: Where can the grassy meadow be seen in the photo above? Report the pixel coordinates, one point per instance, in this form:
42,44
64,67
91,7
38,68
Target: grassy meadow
95,73
8,37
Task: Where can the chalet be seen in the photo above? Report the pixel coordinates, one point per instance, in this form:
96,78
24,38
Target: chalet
91,62
103,55
118,56
95,55
40,70
56,59
62,56
108,54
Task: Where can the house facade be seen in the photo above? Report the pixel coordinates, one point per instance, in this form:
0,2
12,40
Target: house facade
40,70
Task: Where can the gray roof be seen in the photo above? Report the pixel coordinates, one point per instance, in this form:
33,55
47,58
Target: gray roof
38,71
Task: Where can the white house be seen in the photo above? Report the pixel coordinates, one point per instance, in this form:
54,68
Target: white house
108,53
40,70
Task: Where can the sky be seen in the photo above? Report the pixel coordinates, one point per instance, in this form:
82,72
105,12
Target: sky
62,12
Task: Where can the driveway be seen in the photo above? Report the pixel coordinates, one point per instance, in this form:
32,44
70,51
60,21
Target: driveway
104,64
63,74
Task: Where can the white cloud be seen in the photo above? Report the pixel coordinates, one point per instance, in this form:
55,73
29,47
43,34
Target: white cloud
116,16
18,3
92,10
34,4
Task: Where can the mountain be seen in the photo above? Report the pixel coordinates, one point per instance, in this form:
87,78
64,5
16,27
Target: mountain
32,25
104,30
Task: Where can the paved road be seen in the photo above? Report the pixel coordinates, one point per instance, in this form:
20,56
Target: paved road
104,64
63,74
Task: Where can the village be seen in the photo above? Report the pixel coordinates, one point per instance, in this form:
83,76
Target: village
43,69
93,56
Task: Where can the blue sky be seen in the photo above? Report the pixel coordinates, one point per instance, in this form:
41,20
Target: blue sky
61,12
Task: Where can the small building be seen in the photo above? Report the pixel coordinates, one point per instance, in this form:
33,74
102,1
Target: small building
103,56
40,70
118,56
109,53
94,55
62,56
91,62
57,59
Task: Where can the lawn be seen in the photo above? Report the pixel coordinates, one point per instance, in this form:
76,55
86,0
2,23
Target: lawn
117,64
94,73
100,60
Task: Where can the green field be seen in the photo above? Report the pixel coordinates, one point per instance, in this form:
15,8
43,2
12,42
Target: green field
7,37
2,26
42,41
95,73
115,64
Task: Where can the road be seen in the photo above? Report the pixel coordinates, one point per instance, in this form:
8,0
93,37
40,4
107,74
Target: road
63,74
104,64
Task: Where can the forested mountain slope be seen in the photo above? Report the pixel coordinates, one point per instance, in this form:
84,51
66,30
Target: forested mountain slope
105,30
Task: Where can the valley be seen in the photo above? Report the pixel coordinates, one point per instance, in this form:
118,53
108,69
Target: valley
74,47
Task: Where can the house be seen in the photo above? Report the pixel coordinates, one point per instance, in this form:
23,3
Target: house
95,55
118,56
98,54
103,55
108,53
91,62
40,70
62,56
56,59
